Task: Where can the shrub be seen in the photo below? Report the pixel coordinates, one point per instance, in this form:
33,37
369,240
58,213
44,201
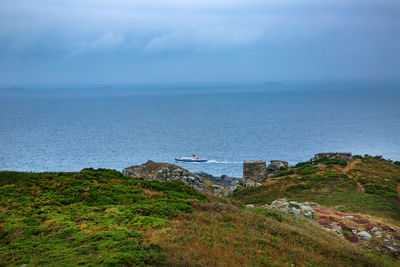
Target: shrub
284,172
307,170
331,174
298,187
357,157
397,163
332,161
303,164
380,190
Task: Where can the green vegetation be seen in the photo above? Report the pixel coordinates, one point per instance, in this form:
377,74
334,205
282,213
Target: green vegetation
220,234
92,217
284,172
370,187
102,218
331,161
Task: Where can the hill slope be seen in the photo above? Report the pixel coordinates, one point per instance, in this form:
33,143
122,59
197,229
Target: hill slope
100,217
365,185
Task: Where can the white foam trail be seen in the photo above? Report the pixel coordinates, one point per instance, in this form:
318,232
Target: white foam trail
224,162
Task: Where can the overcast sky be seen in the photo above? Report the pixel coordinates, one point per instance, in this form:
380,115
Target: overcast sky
120,41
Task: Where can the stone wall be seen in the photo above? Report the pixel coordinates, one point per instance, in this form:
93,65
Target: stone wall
333,155
254,170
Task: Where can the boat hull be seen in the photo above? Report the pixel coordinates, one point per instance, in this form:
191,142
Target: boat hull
190,160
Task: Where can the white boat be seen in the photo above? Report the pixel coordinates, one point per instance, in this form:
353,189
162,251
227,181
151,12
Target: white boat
193,158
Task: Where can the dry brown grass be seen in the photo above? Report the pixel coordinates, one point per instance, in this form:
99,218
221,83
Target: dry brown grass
219,234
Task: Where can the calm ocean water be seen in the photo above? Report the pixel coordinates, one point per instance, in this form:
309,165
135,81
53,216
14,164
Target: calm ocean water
70,129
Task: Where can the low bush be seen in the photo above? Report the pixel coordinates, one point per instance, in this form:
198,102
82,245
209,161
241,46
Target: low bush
331,174
331,161
303,164
92,217
284,172
380,190
307,170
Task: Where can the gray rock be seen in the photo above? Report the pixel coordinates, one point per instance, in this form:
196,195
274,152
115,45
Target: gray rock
248,183
283,208
348,217
378,234
165,172
389,237
279,201
364,235
375,229
217,189
310,215
275,166
235,182
250,205
392,249
295,211
294,204
306,208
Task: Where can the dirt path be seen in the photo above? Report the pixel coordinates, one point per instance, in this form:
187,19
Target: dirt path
351,165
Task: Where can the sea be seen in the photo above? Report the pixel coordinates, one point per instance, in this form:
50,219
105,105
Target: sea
71,127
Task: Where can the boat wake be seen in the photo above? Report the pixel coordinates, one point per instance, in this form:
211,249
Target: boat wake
224,162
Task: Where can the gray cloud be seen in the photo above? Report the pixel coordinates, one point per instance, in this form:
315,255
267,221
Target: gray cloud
286,39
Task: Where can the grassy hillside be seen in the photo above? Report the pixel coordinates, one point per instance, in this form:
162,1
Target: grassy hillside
364,185
91,217
100,217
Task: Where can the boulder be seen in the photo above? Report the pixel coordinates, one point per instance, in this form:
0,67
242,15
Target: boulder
223,179
306,208
364,235
248,183
378,234
391,249
166,172
294,204
295,211
275,166
217,189
310,215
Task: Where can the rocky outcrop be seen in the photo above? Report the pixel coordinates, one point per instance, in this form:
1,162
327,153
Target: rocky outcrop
275,166
296,208
355,228
333,155
254,170
223,179
166,172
